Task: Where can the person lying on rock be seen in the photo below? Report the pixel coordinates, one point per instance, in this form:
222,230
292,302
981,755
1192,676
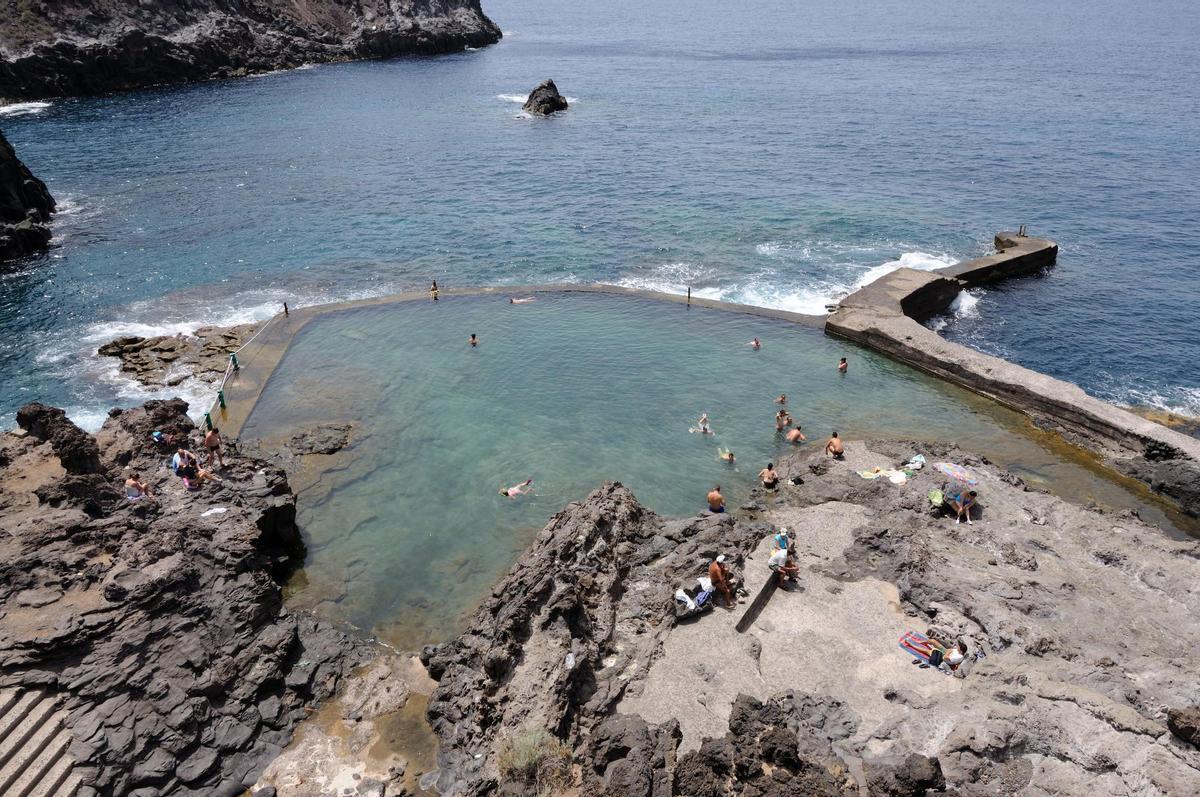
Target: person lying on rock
961,503
720,577
136,490
784,566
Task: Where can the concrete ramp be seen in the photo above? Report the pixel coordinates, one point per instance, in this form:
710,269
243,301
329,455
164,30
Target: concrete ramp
33,746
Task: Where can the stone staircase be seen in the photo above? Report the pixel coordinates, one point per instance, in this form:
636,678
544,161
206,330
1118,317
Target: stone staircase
33,746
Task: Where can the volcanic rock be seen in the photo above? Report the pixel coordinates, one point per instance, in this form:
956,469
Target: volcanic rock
77,47
25,206
158,623
545,100
168,360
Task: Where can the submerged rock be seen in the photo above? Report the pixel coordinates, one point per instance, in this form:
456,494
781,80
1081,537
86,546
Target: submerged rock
25,206
545,100
159,624
98,46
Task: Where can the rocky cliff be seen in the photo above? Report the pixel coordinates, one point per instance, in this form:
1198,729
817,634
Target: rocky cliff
25,207
53,49
157,625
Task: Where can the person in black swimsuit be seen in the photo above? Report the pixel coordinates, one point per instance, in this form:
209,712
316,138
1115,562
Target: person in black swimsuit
768,476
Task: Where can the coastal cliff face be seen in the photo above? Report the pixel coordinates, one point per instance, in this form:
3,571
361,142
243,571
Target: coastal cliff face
25,207
55,49
1085,623
157,626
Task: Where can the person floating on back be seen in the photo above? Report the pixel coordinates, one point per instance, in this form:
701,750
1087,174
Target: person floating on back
843,366
524,488
716,501
796,436
474,341
702,425
834,447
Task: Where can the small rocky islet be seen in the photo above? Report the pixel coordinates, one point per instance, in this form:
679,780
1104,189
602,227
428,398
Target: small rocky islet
25,207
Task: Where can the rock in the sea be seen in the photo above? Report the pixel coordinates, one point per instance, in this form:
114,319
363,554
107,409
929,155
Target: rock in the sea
545,100
171,359
158,624
25,205
78,47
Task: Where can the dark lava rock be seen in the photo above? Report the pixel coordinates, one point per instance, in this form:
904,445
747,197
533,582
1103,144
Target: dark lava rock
78,47
159,624
1185,724
25,206
545,100
1178,478
908,776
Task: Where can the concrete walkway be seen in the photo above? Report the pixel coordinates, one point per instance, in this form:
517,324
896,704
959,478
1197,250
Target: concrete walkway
33,746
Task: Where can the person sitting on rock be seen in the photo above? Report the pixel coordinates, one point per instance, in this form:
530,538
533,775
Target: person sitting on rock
716,501
136,490
768,477
834,447
187,467
212,444
783,565
720,577
961,503
796,436
956,656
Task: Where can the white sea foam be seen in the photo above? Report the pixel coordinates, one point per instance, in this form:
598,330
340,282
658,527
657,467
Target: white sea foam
23,108
966,304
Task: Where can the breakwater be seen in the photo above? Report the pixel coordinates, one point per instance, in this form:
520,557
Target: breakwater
886,316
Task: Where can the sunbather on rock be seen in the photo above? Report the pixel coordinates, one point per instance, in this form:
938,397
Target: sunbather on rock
719,575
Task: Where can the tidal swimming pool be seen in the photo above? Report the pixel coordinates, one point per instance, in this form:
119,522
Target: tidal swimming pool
406,529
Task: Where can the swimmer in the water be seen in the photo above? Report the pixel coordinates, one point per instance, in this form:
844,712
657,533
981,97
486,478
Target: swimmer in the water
524,488
474,341
756,344
702,424
725,455
433,291
526,300
842,366
782,420
796,436
782,399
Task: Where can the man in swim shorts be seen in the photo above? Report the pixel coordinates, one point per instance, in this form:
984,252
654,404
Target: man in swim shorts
719,575
834,447
796,436
212,443
768,477
716,501
474,341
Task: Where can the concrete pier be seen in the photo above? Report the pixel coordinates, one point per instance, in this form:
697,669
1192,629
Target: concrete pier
887,314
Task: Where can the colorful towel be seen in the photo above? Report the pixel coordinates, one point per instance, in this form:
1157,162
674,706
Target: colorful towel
915,645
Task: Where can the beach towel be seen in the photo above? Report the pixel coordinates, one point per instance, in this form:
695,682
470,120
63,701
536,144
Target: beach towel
915,644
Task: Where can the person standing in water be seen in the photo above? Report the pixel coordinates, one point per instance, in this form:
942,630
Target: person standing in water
725,455
782,400
474,341
756,344
843,366
796,436
433,291
716,501
768,477
524,488
782,420
834,446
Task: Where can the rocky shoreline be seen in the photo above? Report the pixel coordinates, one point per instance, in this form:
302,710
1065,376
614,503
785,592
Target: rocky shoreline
76,48
25,207
170,360
158,626
1085,622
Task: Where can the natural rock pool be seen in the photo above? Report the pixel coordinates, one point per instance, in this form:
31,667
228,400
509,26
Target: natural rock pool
406,529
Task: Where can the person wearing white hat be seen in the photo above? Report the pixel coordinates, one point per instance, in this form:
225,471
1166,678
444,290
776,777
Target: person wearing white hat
718,574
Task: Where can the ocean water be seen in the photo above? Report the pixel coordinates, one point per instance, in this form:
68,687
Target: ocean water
774,153
406,529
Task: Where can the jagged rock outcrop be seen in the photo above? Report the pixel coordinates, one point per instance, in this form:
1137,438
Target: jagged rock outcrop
25,207
77,48
168,360
159,624
568,630
545,100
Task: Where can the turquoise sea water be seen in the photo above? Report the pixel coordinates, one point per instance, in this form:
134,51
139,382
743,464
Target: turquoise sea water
407,530
774,153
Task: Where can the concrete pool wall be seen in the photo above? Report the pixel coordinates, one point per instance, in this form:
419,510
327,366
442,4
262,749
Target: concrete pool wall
885,316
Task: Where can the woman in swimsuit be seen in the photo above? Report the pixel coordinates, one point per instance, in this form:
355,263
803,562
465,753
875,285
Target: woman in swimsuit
518,489
768,476
136,490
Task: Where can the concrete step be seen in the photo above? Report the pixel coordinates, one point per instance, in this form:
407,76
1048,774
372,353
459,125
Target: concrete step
52,752
8,698
54,782
14,743
69,786
12,718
